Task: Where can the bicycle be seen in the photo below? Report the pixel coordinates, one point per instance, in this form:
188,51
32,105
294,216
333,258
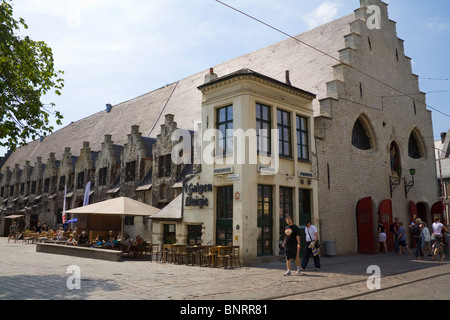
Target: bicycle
440,248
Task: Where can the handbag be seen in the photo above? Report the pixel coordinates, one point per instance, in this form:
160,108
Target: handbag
316,243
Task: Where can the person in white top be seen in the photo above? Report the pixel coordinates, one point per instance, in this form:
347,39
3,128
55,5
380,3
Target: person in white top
437,227
311,237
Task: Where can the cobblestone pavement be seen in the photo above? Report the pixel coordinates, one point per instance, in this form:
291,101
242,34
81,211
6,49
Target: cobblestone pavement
28,275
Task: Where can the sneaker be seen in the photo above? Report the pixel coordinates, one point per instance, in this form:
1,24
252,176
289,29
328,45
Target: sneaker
288,273
299,271
317,269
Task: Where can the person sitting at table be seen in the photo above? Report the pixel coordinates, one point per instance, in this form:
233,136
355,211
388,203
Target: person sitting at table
44,227
139,240
83,239
110,239
59,234
38,228
71,241
127,243
98,241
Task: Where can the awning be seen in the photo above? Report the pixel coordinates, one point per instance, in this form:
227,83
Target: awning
171,212
14,216
144,187
117,206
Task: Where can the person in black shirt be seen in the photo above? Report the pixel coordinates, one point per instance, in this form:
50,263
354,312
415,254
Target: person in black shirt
291,245
83,239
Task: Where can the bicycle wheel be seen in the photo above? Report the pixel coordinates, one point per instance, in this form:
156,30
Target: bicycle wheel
439,254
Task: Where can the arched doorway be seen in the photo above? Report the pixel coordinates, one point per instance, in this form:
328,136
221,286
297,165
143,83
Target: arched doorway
422,209
365,228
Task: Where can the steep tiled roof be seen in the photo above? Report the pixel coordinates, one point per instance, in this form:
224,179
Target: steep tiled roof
309,70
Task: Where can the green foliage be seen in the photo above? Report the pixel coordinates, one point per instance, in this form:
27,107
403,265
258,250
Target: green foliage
26,74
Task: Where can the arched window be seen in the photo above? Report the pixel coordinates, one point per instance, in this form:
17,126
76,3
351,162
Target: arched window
414,150
360,138
396,165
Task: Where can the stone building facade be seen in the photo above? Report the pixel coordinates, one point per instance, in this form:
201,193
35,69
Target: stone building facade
371,128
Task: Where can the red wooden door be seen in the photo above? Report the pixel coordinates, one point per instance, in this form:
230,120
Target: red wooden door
437,210
365,226
385,216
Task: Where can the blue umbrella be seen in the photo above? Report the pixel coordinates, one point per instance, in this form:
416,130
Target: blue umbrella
72,221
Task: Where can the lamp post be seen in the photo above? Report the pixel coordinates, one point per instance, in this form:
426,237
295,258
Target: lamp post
410,184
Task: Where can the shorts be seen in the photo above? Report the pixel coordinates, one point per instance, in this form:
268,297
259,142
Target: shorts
291,253
382,237
402,243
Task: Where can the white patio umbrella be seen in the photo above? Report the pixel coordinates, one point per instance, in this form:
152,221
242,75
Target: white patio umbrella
122,206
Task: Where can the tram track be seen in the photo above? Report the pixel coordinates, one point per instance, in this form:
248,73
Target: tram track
346,291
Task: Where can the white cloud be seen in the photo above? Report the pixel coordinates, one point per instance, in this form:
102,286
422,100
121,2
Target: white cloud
436,23
326,12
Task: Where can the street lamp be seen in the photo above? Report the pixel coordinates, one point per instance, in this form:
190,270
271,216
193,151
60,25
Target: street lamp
410,184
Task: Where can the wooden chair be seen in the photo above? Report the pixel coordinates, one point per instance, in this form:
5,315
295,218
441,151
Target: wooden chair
235,256
206,256
155,251
224,255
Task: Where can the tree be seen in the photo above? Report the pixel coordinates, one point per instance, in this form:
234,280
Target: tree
26,75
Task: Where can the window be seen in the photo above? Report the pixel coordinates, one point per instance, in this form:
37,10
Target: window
46,185
33,187
224,235
302,138
62,183
130,171
169,236
128,221
360,139
80,180
194,235
413,147
163,192
265,220
263,129
396,165
102,173
165,165
284,133
225,126
285,208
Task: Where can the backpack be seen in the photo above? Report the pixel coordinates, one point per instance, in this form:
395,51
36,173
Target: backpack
392,228
416,230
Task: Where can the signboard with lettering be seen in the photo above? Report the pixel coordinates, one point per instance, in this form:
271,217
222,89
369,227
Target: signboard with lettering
197,201
225,170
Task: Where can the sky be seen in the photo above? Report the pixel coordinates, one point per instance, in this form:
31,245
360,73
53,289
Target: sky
112,51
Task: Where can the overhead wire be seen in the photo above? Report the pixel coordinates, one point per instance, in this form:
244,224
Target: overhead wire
330,56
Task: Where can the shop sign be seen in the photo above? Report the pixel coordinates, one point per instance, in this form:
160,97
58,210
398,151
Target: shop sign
267,170
225,170
197,201
305,174
234,177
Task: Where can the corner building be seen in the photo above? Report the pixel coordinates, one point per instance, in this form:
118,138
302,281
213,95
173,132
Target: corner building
370,155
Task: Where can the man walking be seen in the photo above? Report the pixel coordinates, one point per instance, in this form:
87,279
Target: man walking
311,237
291,245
